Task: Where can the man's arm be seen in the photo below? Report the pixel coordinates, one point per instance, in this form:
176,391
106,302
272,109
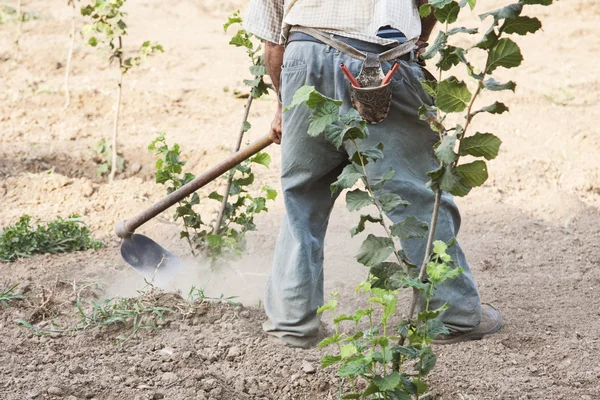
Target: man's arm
264,19
427,25
273,62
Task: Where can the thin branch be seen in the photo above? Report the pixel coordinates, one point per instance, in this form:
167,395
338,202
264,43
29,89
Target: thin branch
113,167
219,220
69,57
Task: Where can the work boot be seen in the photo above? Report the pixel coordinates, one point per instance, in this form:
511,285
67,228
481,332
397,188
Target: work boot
491,322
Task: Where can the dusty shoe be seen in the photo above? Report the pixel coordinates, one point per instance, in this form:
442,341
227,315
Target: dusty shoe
296,341
491,322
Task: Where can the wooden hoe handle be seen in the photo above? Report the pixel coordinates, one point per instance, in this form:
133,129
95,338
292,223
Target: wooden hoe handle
125,229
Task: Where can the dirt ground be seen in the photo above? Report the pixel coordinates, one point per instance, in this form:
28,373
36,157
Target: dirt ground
531,232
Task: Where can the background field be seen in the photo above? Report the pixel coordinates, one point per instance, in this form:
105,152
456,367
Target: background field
531,233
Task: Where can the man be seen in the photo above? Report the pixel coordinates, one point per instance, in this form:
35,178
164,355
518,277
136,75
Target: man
309,165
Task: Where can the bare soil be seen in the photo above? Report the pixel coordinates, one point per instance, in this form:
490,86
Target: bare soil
531,233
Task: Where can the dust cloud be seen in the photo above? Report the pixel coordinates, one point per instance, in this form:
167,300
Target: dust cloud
243,279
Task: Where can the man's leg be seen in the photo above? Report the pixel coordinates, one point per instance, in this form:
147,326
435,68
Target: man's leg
408,150
309,166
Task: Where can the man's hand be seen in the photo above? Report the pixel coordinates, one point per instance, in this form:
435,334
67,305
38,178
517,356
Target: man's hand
273,61
275,133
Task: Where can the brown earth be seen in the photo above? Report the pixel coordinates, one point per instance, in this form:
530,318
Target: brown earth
531,232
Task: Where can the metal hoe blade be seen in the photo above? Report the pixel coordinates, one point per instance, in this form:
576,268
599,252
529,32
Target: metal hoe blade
148,258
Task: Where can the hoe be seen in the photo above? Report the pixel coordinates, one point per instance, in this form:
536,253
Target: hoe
145,255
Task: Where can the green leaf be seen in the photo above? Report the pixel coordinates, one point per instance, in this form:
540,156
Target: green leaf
505,54
353,368
439,247
438,273
357,199
374,153
447,179
445,149
439,3
348,351
449,57
399,395
508,12
474,174
480,145
246,126
408,352
447,14
492,84
349,176
258,70
310,96
215,196
329,360
410,227
439,43
325,113
271,193
470,31
388,382
370,390
489,40
431,89
496,108
389,174
361,224
435,327
334,135
329,340
232,19
453,95
522,25
428,361
414,283
330,305
431,314
421,386
424,10
470,2
93,41
262,158
374,250
388,275
540,2
389,201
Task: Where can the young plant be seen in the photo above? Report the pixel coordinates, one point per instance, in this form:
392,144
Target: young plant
8,295
258,89
109,28
197,295
451,95
103,156
70,3
239,214
59,236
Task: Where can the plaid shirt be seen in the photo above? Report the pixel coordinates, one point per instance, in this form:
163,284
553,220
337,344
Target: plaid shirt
271,20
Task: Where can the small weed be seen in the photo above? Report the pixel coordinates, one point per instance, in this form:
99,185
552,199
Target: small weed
59,236
133,314
8,295
197,295
8,15
128,312
102,156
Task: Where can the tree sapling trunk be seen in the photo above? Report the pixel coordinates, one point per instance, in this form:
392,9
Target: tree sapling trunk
113,167
243,129
69,57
